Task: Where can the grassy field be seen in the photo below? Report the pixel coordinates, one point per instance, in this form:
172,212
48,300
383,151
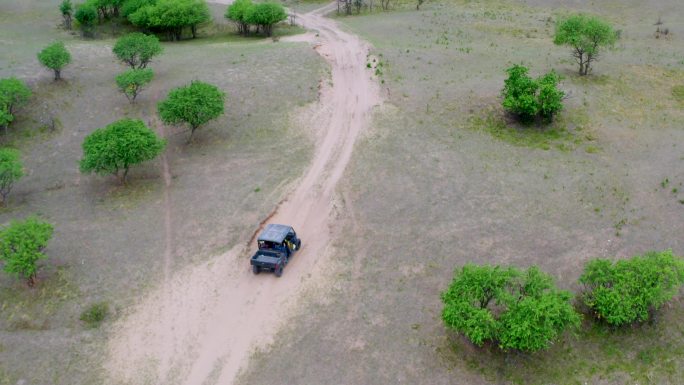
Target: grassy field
109,240
440,180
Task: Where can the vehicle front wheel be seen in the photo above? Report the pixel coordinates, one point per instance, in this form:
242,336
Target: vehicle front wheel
279,271
255,269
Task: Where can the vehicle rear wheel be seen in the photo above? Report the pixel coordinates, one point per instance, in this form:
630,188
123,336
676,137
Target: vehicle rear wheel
279,271
255,269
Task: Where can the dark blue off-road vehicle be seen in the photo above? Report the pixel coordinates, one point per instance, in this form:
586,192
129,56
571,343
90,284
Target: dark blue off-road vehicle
276,244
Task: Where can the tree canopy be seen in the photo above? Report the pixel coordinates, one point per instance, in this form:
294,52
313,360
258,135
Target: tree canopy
237,12
11,170
66,9
119,146
520,310
172,16
194,105
264,15
55,56
629,290
586,34
132,81
21,247
13,94
87,17
137,49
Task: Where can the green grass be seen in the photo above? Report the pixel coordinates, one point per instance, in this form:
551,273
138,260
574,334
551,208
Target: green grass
95,314
678,93
26,308
539,136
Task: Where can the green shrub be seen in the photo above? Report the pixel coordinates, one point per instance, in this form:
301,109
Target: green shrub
629,290
520,310
87,17
528,98
95,314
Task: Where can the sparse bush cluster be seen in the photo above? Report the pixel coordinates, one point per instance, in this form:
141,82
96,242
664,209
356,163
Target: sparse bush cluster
529,98
628,291
522,310
261,16
515,309
170,17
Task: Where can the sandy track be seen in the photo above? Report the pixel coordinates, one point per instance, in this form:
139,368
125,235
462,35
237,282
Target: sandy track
201,325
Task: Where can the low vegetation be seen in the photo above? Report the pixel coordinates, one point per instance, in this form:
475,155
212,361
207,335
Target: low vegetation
520,310
95,314
21,247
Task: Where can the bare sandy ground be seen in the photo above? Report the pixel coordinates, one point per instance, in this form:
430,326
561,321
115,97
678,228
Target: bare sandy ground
201,325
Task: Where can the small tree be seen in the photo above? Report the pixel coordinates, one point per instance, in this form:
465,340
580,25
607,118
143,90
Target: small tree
87,17
195,105
586,35
265,15
11,170
66,9
528,98
137,49
13,94
119,146
131,82
55,56
237,12
519,310
21,247
630,290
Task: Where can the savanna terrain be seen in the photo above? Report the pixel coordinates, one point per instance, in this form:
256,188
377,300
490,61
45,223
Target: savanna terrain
395,163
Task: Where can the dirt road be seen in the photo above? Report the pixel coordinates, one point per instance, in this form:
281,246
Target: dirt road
201,325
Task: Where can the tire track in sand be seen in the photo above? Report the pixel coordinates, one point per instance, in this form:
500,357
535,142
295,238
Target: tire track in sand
205,321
